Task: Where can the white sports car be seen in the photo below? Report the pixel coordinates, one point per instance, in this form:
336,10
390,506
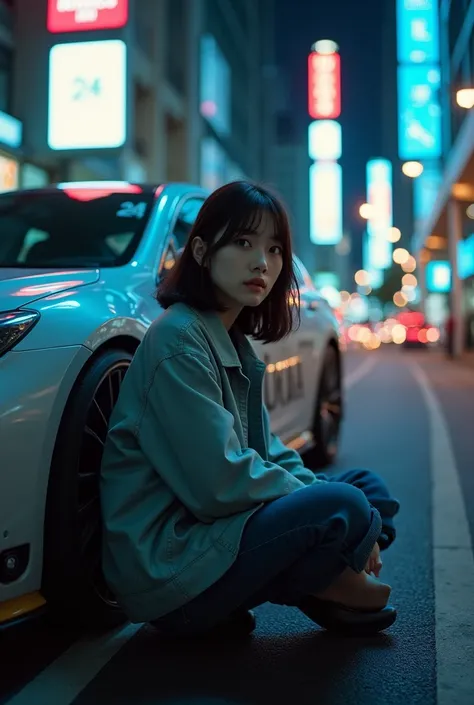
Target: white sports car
79,263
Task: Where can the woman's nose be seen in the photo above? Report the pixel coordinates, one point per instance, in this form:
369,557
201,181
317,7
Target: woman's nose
260,262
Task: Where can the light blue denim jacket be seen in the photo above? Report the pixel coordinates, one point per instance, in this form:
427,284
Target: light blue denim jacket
188,459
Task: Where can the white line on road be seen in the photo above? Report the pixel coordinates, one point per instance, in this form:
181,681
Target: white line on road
62,681
360,372
453,562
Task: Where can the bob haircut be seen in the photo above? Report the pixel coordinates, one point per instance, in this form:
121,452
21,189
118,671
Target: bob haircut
234,208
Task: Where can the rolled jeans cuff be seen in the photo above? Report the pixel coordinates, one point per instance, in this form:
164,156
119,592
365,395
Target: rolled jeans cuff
358,558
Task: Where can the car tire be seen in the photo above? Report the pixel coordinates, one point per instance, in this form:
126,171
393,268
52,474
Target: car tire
328,413
73,584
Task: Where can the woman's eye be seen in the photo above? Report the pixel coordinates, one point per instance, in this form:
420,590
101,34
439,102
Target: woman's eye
276,250
242,242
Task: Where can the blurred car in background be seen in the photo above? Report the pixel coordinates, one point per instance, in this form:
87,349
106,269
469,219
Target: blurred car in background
79,265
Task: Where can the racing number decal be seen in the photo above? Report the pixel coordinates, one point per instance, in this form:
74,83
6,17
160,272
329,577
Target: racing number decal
283,381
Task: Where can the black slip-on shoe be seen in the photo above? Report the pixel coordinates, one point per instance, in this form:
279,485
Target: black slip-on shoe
346,621
240,623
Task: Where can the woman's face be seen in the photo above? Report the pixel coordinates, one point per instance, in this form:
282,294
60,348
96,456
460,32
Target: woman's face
245,270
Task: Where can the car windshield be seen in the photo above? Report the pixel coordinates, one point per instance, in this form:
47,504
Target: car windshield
72,227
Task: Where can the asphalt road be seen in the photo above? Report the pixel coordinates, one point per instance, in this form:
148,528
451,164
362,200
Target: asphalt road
410,416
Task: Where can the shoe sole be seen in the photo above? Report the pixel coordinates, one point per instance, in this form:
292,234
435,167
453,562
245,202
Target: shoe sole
349,622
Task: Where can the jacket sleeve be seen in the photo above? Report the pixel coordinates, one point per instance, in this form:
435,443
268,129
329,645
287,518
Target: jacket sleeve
287,458
189,438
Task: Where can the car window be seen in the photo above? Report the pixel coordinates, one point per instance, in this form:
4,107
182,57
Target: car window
71,227
187,214
302,275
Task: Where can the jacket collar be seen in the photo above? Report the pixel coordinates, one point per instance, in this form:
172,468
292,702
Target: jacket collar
223,343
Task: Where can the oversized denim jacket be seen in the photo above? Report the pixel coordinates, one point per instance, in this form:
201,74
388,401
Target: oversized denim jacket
188,459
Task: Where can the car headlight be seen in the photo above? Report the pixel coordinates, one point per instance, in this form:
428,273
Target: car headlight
14,325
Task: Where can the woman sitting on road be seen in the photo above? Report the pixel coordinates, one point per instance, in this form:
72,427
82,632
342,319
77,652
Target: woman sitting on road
207,514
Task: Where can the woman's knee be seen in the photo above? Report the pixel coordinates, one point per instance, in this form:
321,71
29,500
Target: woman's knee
344,506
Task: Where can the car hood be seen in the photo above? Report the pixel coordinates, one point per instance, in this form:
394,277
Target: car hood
19,287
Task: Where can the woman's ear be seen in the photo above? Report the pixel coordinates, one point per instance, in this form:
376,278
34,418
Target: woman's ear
199,248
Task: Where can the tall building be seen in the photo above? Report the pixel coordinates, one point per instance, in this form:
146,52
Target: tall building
152,90
444,237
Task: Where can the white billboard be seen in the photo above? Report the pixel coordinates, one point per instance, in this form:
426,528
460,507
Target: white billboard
379,196
325,194
87,95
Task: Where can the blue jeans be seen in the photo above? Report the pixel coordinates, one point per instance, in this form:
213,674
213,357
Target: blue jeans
295,546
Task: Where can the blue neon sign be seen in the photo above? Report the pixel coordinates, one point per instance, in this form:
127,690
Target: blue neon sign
466,257
417,31
438,277
419,112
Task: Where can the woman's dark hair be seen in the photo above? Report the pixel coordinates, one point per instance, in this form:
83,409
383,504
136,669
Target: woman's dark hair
236,207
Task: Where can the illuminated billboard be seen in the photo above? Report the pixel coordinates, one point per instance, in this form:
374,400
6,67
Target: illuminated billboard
325,198
438,277
83,15
8,174
324,85
466,257
419,112
11,130
324,140
369,261
87,95
417,31
379,196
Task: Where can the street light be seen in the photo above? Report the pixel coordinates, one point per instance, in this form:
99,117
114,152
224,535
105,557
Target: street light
412,169
409,265
470,211
362,278
365,211
465,98
394,235
400,255
399,299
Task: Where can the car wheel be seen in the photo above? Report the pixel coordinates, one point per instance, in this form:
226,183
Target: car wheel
73,583
328,413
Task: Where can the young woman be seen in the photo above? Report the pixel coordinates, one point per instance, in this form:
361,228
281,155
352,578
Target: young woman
207,514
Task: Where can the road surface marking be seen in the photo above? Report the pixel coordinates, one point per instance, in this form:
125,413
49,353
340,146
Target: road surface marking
62,681
453,562
360,372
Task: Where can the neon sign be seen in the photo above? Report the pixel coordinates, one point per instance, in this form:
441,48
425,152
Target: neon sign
324,85
325,184
83,15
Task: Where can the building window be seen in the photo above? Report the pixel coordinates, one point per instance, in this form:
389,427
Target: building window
6,61
457,15
177,42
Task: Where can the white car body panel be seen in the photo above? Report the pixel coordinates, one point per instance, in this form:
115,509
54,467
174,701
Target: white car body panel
81,310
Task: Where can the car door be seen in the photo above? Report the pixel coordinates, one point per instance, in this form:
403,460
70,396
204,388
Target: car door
311,343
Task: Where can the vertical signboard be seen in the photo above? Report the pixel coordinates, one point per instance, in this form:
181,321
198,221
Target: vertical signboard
324,139
86,15
324,85
417,31
87,95
325,194
419,130
379,196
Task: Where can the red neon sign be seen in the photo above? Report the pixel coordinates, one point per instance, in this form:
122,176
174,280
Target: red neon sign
324,85
82,15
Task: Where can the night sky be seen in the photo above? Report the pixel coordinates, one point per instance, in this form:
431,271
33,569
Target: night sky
356,27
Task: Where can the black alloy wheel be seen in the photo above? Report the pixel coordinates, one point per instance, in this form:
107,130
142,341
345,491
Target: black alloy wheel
73,583
328,413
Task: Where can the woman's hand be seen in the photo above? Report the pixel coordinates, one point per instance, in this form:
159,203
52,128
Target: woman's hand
374,564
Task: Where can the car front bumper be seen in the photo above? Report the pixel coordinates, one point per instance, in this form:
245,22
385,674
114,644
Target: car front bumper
34,388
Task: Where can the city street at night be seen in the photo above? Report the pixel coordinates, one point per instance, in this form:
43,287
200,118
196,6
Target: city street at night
408,416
